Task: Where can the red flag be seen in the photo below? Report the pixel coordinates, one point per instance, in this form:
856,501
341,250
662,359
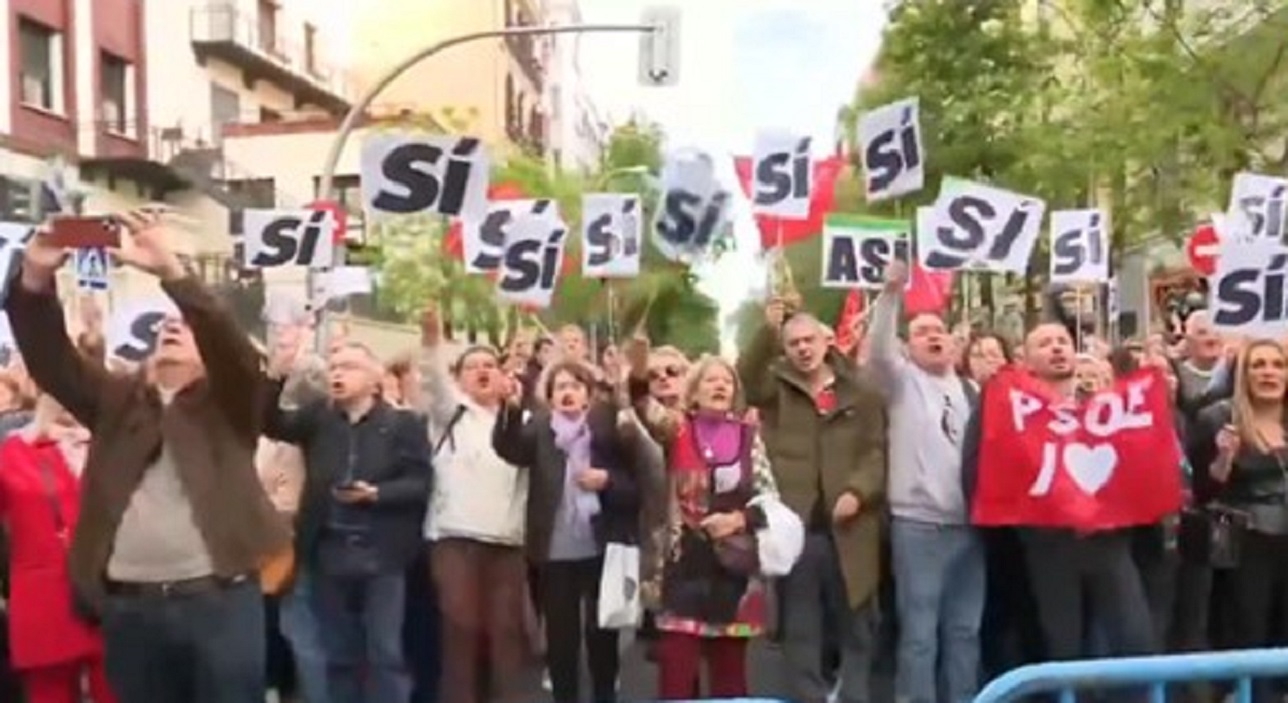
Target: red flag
928,291
846,337
1108,462
821,201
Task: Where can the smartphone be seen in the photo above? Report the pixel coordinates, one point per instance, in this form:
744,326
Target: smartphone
74,232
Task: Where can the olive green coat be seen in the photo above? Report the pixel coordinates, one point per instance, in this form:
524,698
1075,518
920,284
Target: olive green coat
842,451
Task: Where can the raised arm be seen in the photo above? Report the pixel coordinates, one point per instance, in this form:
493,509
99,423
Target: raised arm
40,332
513,439
756,361
234,369
886,360
438,393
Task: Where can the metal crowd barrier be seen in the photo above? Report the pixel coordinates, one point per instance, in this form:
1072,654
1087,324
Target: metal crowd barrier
1068,678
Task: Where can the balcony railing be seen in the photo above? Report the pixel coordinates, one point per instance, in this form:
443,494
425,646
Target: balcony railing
526,49
222,30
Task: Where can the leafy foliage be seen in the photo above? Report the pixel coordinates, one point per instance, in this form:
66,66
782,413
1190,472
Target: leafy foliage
1141,106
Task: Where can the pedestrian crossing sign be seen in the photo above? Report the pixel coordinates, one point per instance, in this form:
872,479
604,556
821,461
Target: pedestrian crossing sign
91,268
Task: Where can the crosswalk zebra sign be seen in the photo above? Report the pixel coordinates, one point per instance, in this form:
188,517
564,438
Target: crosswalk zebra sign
91,268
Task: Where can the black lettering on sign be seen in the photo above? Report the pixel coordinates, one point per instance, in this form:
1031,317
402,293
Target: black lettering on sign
429,183
143,337
492,235
1073,249
288,240
892,152
970,217
606,242
875,253
842,261
684,224
1243,296
784,175
1265,213
533,263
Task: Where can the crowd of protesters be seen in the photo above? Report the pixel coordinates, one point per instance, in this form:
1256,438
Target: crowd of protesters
231,517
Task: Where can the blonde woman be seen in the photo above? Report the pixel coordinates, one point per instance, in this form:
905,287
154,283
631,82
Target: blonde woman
1239,452
710,601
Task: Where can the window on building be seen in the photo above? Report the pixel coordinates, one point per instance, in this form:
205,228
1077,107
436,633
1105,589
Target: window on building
267,115
250,193
40,71
268,25
116,80
310,48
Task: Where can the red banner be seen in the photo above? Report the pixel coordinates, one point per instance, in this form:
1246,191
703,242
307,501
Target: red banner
1110,461
821,201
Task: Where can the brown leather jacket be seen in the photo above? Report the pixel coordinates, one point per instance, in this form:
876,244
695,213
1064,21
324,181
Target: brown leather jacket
211,428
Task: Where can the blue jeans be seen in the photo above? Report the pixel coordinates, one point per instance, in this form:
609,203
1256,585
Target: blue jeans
361,621
299,624
939,588
205,647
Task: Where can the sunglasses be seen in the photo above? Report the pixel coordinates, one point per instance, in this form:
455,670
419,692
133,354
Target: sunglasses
670,371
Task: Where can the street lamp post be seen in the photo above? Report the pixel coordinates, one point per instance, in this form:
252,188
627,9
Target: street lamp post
350,121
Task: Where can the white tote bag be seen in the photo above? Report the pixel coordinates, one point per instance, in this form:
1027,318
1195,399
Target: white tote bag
619,588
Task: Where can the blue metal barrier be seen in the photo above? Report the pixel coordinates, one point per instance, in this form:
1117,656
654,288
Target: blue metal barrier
1068,678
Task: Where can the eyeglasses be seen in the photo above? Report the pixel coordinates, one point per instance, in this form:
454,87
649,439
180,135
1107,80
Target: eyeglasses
669,371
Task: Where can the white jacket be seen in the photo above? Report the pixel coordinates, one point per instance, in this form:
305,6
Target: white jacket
476,494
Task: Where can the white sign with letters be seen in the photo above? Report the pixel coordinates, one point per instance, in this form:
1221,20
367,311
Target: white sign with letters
413,173
532,262
694,208
484,239
781,174
289,238
91,268
857,250
132,330
976,226
1249,293
611,235
894,161
1079,246
1262,203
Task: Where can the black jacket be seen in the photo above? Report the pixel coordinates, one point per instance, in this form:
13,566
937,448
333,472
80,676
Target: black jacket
532,445
388,448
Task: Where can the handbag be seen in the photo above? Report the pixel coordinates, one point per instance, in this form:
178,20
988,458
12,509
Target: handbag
1212,535
738,554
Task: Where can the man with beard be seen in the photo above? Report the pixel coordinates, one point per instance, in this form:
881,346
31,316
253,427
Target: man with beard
1072,572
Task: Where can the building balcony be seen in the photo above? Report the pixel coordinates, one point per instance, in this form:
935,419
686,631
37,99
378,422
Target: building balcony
527,50
221,31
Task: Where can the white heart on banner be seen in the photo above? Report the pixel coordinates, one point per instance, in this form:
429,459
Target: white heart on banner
1090,467
694,206
611,235
781,174
976,226
890,146
1079,246
412,173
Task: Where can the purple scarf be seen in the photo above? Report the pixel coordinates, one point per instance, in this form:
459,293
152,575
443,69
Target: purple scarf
572,436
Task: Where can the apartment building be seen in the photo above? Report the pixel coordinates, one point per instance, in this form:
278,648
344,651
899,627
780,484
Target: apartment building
134,95
578,131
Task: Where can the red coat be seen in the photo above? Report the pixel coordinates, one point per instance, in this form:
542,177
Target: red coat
43,628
